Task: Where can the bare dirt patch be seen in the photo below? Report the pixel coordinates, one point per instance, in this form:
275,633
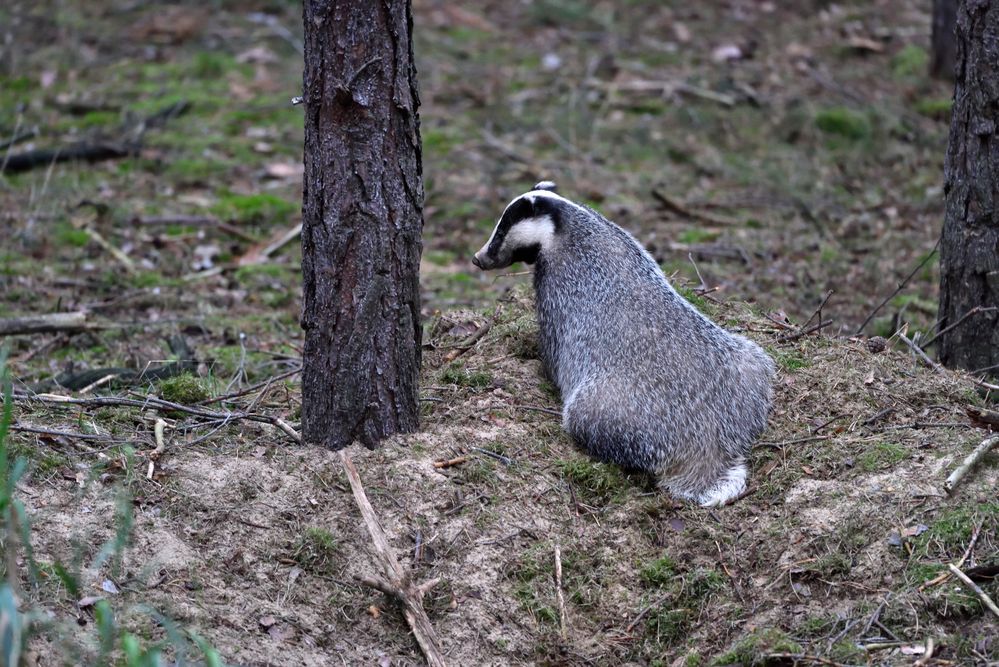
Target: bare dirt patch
256,543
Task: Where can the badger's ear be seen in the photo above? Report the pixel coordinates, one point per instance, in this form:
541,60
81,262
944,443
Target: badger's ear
546,185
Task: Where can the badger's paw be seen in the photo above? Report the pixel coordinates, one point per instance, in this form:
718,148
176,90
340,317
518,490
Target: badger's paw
729,487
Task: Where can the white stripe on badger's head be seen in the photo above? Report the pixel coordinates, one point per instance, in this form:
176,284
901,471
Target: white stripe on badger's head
527,228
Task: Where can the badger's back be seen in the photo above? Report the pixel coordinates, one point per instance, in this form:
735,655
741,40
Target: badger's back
644,375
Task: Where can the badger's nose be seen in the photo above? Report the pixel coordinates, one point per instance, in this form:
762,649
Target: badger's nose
475,260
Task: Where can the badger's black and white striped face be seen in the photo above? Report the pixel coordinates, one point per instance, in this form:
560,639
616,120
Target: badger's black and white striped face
526,229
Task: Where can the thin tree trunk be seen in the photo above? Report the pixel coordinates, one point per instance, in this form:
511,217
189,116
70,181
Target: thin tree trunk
944,42
969,245
362,218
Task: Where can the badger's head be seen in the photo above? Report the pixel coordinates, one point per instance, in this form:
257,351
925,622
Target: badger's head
526,228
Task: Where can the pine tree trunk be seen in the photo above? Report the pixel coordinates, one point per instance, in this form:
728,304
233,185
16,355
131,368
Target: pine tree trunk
969,245
362,218
944,42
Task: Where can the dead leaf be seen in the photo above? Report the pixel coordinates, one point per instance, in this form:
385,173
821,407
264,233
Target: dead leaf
89,601
917,649
267,621
676,524
869,380
48,78
108,586
374,611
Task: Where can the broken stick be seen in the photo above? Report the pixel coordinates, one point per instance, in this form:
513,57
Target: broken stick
398,584
969,462
563,619
33,324
983,596
447,463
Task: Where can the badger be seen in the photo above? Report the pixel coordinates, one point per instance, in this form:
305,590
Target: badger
647,381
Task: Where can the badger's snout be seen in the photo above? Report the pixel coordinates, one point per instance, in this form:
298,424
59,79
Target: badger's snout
476,261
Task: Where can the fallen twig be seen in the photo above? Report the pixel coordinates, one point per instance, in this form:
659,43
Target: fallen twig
536,408
96,150
397,585
983,415
969,462
112,250
663,88
563,618
983,573
100,382
499,457
18,137
34,324
678,207
795,441
458,460
927,655
262,251
803,657
874,617
29,428
959,321
195,221
286,427
821,324
898,289
922,355
154,455
818,310
943,576
160,405
982,595
251,389
83,150
470,342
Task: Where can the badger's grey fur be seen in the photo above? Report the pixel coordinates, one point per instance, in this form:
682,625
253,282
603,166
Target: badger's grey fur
647,381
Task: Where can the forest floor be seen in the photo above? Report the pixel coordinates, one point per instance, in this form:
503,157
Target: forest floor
785,149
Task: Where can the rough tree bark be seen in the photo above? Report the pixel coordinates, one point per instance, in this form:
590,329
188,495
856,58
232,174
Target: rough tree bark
944,43
969,245
362,218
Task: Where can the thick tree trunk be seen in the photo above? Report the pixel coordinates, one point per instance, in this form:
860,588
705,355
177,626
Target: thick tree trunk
362,218
944,45
969,245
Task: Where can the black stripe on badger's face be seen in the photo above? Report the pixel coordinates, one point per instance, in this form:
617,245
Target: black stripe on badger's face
527,226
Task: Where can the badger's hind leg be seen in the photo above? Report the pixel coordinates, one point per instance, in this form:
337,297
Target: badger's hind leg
707,486
729,486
